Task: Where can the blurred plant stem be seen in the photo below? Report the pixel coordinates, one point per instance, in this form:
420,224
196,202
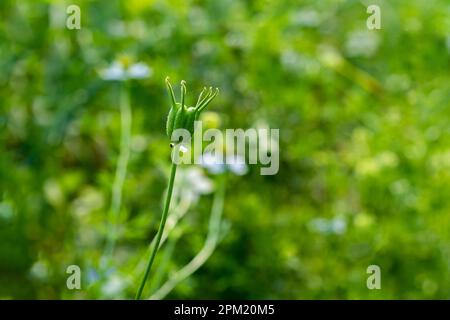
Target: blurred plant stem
121,172
178,212
163,265
333,59
160,230
208,248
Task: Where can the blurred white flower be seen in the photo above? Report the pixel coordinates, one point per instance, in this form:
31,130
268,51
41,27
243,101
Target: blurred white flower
118,71
212,163
6,211
362,43
306,18
114,72
295,63
192,183
39,270
113,287
236,164
336,225
139,71
215,164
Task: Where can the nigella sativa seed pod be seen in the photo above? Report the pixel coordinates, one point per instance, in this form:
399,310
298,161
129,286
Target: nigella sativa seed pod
180,115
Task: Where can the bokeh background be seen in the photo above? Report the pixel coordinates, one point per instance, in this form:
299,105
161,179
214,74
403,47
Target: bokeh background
364,148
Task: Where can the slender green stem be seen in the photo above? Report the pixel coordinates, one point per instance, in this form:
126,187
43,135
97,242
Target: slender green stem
160,230
177,213
208,248
162,266
121,170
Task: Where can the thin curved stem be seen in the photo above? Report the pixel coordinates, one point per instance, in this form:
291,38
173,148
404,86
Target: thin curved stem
121,171
163,264
207,250
177,213
160,230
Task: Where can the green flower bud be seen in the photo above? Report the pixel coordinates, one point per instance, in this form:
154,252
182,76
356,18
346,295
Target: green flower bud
183,117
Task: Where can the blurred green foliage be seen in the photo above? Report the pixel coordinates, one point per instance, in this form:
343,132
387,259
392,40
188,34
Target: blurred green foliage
364,146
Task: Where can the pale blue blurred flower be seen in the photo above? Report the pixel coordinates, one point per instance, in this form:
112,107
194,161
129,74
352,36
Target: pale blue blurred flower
215,164
336,225
92,275
114,72
236,164
212,163
118,72
139,71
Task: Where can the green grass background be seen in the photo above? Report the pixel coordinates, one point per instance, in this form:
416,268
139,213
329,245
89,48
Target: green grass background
364,146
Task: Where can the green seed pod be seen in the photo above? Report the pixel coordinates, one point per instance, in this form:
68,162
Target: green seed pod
183,117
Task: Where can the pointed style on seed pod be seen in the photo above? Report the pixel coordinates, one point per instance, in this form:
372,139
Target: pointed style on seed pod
180,115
